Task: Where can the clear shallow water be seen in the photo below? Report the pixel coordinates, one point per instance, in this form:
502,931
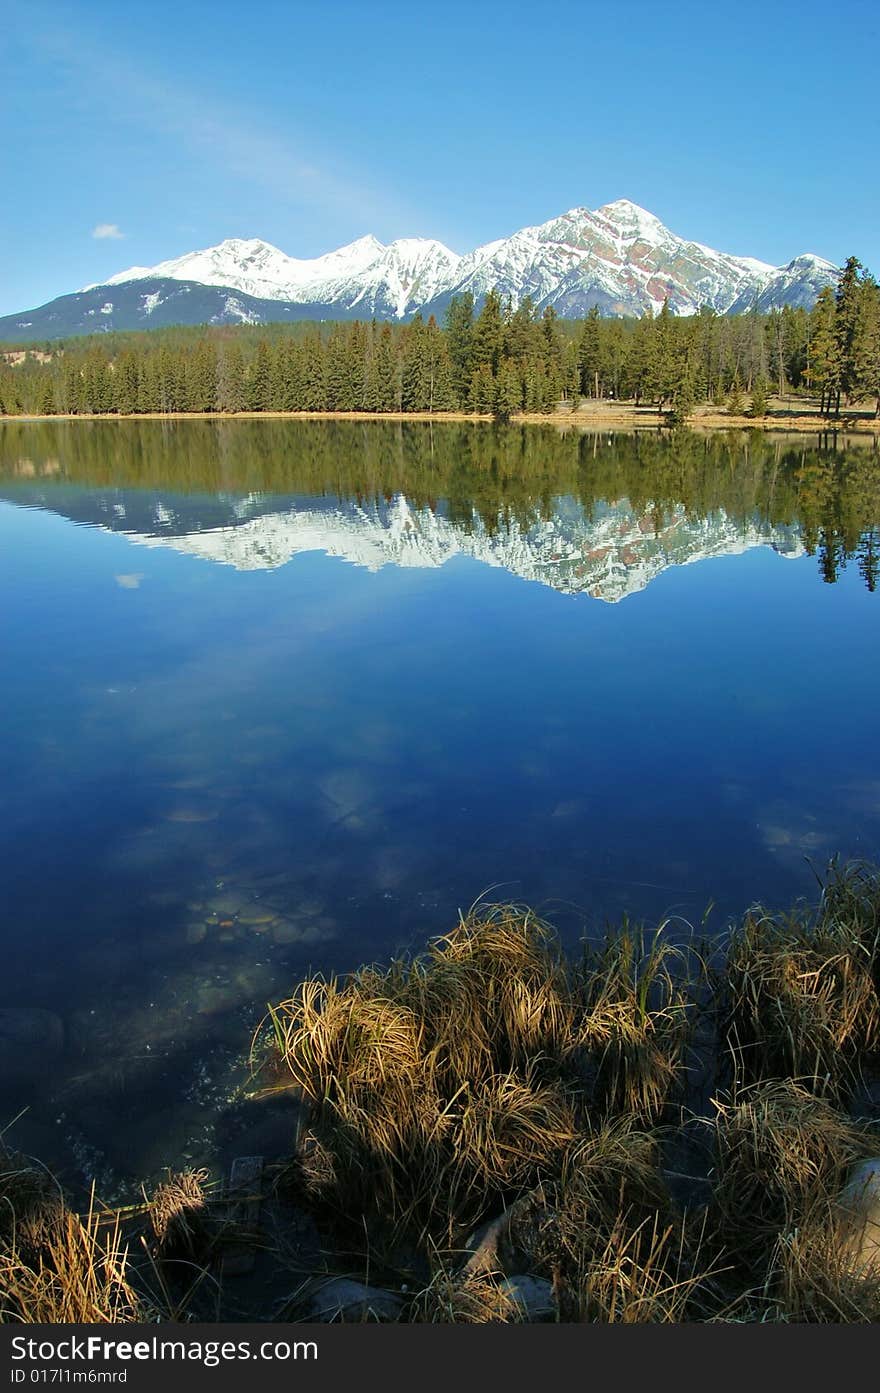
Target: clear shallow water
285,696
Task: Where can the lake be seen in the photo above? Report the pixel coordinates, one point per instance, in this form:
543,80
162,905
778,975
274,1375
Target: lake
283,696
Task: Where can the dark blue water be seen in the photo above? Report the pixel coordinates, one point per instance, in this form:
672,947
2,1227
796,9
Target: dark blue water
251,731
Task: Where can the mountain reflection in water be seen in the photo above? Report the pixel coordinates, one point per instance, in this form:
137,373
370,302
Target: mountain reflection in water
230,758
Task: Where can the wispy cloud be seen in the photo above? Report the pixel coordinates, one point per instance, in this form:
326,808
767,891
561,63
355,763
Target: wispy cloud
236,143
107,229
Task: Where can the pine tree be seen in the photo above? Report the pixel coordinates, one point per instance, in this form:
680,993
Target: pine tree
482,396
867,342
509,396
823,359
126,383
640,368
489,334
589,355
758,403
231,386
459,342
847,304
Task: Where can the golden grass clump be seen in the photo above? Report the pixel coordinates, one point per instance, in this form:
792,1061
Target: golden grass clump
438,1085
798,999
444,1086
29,1200
635,1022
851,897
178,1214
781,1151
79,1273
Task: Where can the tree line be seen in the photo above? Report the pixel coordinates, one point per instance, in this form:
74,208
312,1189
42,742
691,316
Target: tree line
496,360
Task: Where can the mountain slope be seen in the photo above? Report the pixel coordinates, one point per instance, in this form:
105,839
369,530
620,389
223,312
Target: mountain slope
151,304
620,258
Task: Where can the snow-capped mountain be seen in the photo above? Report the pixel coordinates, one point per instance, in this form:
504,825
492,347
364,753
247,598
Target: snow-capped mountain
620,258
798,284
610,553
387,281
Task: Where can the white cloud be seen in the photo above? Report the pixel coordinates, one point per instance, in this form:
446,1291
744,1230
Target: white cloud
106,229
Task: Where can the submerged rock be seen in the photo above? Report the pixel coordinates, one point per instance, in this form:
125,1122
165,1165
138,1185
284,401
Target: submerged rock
257,918
196,933
284,931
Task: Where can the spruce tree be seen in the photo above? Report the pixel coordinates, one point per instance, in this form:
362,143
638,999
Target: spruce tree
509,397
459,342
489,334
847,304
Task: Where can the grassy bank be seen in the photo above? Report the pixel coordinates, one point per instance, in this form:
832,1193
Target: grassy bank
797,416
495,1131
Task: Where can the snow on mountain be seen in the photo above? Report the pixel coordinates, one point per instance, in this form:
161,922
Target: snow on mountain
798,284
381,279
619,257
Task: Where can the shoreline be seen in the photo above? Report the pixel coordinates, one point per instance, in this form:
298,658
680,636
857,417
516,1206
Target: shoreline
620,418
527,1142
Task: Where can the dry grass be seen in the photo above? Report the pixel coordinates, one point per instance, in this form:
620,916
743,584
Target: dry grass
178,1214
441,1087
781,1151
80,1272
478,1298
638,1003
607,1235
490,1077
798,997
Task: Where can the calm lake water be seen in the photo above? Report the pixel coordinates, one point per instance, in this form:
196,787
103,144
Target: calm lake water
280,696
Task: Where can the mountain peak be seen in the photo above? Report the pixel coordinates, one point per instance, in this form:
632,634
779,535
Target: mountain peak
630,216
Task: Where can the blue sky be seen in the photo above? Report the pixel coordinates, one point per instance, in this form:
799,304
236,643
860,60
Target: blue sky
752,128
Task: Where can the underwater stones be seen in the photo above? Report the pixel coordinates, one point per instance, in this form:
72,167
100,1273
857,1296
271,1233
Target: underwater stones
196,933
285,931
257,918
228,903
30,1039
313,933
310,907
214,1000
